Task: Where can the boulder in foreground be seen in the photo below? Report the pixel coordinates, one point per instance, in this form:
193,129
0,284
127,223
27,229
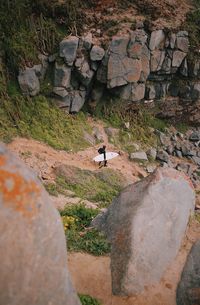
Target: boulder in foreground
33,249
188,292
145,225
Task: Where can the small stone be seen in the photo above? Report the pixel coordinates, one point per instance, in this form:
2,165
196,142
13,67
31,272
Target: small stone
151,153
139,156
97,53
162,156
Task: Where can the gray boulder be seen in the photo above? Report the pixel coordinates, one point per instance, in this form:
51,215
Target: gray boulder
139,156
112,132
137,92
150,91
188,291
162,156
157,59
122,70
77,101
29,82
195,136
85,74
87,41
68,49
157,40
182,42
97,53
196,160
33,254
62,76
151,153
172,40
60,91
119,45
135,223
102,70
178,57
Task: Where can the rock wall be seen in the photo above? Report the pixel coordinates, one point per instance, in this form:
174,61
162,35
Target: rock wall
137,67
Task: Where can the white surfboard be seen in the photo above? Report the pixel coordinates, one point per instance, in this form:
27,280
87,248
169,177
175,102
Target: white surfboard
109,155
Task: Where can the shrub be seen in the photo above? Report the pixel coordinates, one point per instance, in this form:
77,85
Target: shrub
76,221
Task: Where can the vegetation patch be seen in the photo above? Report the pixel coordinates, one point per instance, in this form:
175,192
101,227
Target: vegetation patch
76,220
192,26
88,300
116,112
197,217
99,186
42,120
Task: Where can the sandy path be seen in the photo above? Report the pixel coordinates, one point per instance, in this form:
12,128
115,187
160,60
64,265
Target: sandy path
43,158
91,275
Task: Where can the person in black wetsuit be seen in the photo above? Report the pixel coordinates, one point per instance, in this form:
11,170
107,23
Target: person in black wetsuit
102,150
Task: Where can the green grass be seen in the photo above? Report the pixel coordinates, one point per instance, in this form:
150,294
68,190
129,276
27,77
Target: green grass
115,112
80,237
100,186
88,300
42,120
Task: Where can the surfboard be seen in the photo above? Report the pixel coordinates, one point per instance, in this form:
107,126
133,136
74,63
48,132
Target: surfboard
109,155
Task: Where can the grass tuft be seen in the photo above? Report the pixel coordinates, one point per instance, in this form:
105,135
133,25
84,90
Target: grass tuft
88,300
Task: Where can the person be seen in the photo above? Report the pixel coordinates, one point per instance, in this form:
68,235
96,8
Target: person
102,150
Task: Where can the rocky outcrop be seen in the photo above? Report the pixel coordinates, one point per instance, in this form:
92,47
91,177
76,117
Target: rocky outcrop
188,291
138,66
33,267
135,224
29,82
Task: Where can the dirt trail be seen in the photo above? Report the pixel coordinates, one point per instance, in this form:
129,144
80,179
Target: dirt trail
43,158
91,275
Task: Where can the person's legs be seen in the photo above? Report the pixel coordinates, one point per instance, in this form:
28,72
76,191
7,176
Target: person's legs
105,162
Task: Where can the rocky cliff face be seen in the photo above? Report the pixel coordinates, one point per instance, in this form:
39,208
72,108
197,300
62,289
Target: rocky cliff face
137,67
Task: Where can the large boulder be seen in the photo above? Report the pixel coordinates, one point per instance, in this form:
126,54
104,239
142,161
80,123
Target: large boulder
68,49
145,225
182,42
84,73
137,92
29,82
188,291
77,100
157,59
62,76
178,57
97,53
157,40
33,254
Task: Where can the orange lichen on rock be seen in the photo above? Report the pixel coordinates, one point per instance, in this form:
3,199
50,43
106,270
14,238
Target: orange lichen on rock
19,193
2,160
